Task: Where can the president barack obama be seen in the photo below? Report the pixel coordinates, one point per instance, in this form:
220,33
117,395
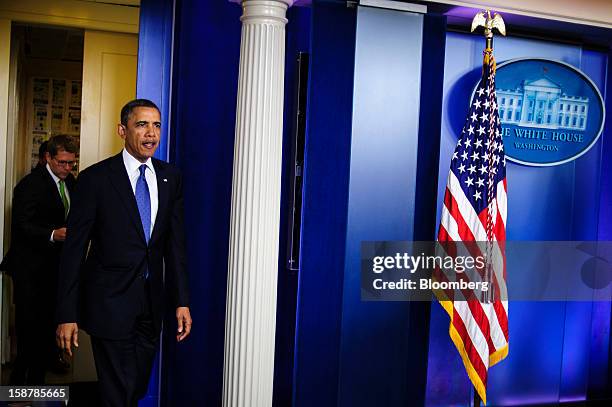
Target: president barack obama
128,209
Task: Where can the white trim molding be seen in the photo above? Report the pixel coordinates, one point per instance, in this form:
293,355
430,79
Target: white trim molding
394,5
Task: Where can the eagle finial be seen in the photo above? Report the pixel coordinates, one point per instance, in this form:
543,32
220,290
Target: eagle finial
483,19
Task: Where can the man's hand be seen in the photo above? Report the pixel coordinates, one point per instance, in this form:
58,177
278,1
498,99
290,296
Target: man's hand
66,336
59,235
183,317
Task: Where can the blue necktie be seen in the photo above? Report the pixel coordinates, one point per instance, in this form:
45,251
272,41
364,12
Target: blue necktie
143,200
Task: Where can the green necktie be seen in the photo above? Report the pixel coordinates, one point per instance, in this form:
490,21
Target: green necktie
64,198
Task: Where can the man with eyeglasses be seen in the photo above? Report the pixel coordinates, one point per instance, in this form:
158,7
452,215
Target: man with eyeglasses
41,202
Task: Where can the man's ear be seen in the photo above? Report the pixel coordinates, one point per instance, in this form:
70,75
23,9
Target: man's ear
47,156
121,130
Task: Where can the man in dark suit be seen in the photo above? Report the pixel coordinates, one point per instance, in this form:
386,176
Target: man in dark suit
129,210
42,154
41,202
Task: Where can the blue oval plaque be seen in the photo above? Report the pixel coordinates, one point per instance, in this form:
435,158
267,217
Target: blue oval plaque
550,112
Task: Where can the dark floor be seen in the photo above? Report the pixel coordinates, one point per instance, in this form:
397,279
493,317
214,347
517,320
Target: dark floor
85,394
82,394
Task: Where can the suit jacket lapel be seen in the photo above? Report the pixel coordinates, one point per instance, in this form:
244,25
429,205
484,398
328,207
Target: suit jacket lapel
52,187
70,183
121,182
162,198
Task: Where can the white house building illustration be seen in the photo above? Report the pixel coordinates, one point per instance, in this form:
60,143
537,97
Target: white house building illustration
541,103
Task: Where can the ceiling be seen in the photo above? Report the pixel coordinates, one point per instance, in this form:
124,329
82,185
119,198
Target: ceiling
52,43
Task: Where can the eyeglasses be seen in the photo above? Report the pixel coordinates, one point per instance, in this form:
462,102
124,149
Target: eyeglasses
64,163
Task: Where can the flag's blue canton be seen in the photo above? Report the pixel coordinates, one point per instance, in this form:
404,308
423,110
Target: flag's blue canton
476,161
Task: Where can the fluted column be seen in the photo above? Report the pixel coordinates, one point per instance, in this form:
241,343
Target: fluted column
253,256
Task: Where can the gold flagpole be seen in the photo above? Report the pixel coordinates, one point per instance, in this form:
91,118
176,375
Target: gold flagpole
484,19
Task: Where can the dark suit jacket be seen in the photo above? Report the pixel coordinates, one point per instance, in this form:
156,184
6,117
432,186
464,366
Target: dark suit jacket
33,259
102,289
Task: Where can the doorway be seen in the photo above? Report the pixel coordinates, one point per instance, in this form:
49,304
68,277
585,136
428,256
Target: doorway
45,100
96,42
70,81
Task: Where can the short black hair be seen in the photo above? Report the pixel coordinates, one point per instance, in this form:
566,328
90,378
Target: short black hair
133,104
42,149
61,142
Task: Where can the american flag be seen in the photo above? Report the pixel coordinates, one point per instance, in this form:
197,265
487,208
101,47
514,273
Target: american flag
475,211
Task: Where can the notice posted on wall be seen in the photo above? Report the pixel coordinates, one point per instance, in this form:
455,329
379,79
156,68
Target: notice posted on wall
39,118
59,92
40,91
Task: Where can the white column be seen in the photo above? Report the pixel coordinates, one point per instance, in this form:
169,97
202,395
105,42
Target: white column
250,320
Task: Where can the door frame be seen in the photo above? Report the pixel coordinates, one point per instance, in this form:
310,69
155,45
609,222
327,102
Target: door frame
115,18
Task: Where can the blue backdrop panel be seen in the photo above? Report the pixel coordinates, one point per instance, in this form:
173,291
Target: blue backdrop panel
326,177
155,61
605,207
369,139
154,82
600,374
550,343
383,182
297,40
205,78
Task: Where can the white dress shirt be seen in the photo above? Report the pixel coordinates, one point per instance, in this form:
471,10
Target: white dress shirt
57,181
132,166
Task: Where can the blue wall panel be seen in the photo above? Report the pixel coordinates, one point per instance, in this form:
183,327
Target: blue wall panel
600,373
550,343
326,177
205,78
363,163
297,40
154,83
384,151
364,167
155,61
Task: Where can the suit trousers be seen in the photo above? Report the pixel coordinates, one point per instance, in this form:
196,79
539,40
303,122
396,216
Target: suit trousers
124,365
35,325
